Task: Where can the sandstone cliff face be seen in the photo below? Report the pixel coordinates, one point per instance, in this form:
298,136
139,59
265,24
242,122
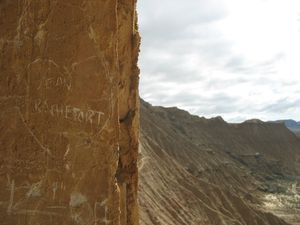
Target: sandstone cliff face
69,112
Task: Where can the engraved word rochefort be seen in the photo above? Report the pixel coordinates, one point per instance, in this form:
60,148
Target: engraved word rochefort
68,112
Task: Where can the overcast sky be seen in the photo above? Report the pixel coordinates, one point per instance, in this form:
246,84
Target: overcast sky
236,58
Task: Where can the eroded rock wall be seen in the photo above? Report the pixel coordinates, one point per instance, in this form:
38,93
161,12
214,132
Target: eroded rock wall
127,174
69,112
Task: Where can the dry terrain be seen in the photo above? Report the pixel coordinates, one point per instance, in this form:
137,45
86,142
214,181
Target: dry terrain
197,171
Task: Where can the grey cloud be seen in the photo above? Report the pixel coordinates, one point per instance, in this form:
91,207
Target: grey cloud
173,31
219,102
282,106
171,70
167,18
219,84
238,64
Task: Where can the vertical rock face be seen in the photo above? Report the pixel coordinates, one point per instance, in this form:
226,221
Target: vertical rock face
69,112
127,174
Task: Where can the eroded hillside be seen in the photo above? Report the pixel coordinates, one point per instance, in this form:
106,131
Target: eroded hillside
199,171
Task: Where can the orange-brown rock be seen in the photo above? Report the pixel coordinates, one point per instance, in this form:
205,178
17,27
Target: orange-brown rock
69,112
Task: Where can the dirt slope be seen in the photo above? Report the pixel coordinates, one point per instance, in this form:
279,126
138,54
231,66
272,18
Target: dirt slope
199,171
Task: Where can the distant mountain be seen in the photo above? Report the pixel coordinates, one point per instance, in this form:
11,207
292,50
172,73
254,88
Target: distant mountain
291,124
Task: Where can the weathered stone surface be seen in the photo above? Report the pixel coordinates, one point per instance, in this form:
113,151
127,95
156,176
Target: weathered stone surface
69,112
127,174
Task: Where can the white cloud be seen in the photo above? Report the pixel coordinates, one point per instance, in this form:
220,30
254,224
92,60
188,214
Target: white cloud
234,58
